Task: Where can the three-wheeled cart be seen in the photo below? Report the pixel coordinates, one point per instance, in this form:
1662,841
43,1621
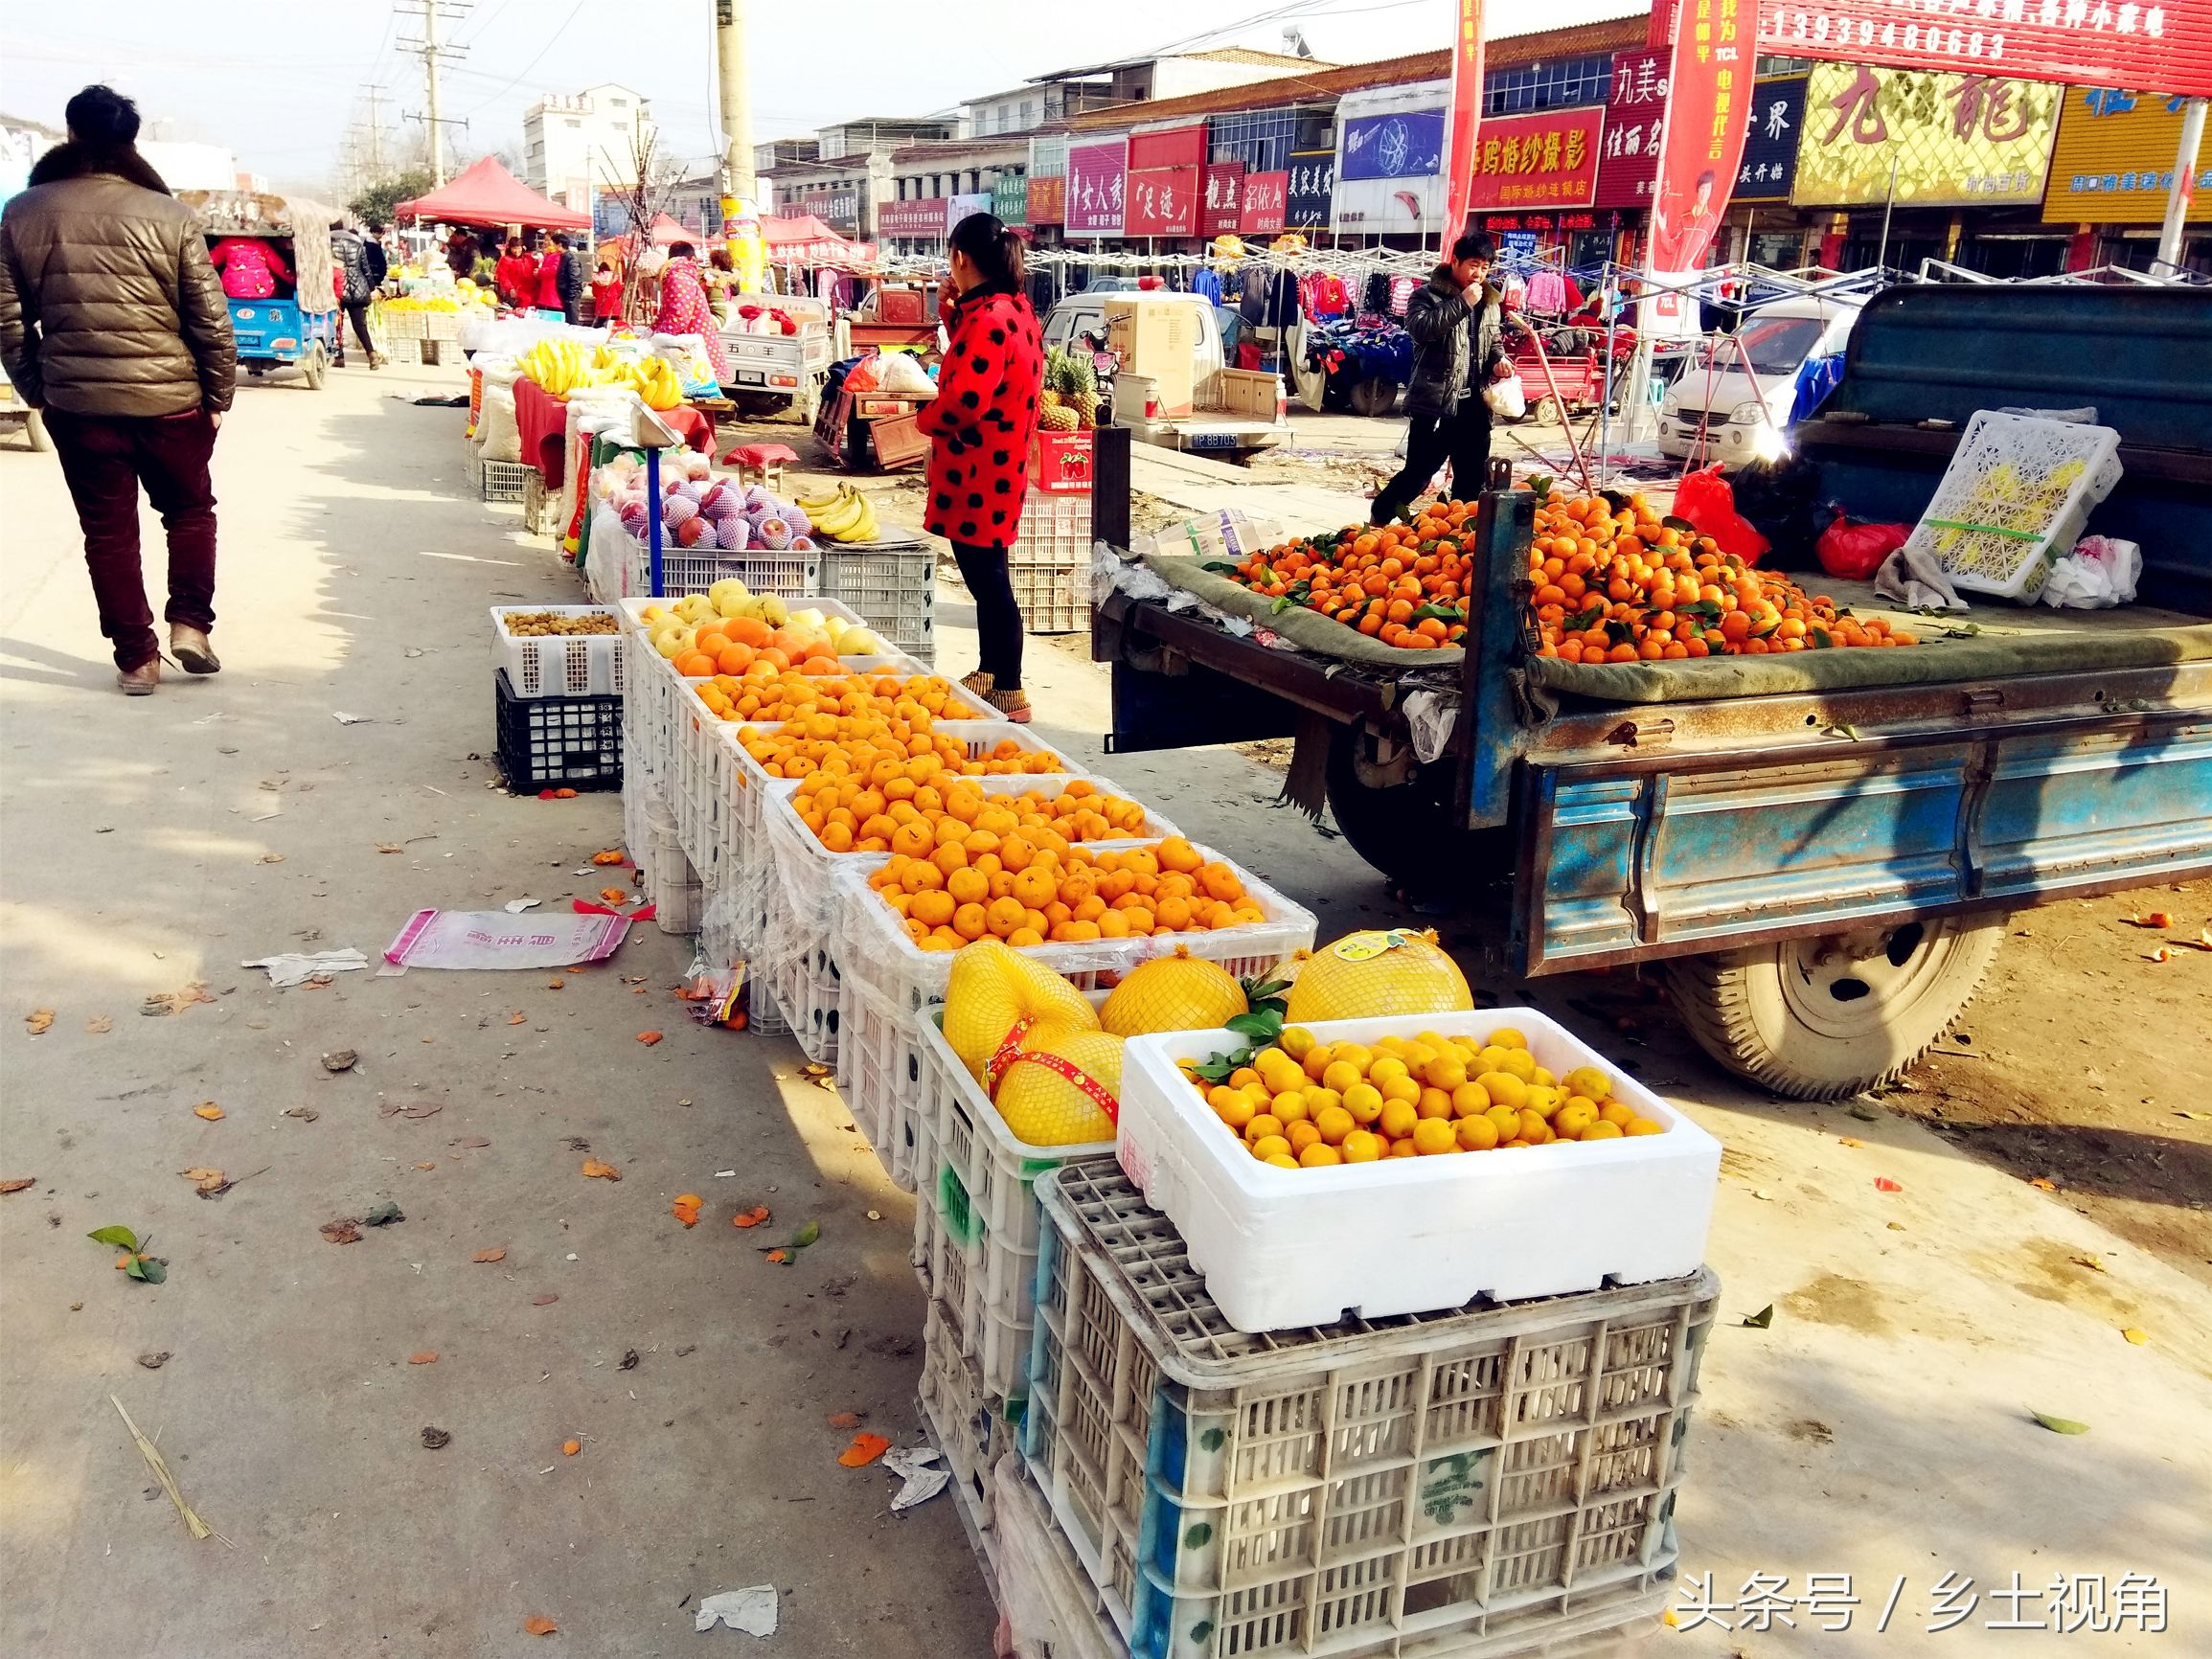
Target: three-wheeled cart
296,326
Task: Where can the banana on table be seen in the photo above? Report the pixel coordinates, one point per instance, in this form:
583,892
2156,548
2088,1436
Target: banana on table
844,515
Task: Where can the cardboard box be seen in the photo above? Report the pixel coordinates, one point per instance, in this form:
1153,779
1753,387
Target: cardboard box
1157,339
1060,462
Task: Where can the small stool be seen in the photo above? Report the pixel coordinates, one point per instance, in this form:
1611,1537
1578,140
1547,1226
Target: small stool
761,463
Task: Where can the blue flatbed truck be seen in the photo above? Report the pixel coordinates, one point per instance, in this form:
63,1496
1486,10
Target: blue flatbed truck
1822,875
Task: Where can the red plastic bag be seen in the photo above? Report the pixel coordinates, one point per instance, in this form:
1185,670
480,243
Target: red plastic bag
1854,551
1707,501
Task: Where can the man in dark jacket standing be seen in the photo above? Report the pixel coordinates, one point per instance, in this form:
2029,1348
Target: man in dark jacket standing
1457,324
361,268
113,322
570,280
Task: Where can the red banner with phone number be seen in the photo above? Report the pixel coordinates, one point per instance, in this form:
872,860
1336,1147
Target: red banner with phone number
1466,119
1709,114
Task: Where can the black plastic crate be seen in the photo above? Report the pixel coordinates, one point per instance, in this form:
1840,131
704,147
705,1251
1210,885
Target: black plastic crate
557,742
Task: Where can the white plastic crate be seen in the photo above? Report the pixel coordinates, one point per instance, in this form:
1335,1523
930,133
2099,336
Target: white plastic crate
686,570
1287,1248
976,1221
873,1056
1046,1597
885,955
893,586
803,975
1054,531
1053,599
394,324
438,324
559,665
2015,496
503,480
1468,1485
968,1427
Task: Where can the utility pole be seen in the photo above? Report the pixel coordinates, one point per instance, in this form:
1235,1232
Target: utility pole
432,50
2177,199
736,103
376,95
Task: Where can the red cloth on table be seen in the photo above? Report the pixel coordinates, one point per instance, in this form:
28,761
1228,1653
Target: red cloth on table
542,419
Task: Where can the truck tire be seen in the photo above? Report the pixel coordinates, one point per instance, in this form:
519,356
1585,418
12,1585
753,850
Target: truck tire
1820,1019
1409,831
34,429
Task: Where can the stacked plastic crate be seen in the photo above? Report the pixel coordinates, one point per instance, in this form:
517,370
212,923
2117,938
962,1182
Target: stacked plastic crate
1050,561
893,585
558,704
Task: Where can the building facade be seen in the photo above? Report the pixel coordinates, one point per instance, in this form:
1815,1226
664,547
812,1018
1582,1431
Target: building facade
575,143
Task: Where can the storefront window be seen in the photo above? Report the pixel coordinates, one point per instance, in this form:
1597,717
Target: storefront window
1563,83
1778,250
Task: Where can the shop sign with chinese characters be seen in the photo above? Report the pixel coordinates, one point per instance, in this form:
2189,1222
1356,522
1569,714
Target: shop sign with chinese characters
1547,160
1097,178
2166,45
1309,190
2114,160
1954,140
1222,210
1267,203
1770,163
1628,158
1163,202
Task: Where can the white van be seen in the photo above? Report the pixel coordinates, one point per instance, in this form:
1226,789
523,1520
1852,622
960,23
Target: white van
1741,416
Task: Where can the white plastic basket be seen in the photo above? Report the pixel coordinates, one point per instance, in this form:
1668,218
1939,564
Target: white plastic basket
503,480
1467,1485
559,665
2017,496
894,586
1054,531
1286,1248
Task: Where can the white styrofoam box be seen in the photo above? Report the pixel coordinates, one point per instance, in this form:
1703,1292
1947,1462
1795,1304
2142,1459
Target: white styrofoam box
558,665
885,954
1282,1249
1998,518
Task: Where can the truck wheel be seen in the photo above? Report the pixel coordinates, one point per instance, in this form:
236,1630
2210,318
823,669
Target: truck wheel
1409,831
34,429
1819,1019
1374,396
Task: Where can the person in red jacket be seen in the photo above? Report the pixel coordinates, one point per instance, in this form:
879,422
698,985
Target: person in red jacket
516,276
548,296
982,420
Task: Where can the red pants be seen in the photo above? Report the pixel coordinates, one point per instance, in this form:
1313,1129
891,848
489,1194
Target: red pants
104,460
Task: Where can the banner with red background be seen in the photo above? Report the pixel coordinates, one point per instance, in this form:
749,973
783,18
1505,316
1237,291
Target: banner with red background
1465,118
1545,160
1708,112
1266,202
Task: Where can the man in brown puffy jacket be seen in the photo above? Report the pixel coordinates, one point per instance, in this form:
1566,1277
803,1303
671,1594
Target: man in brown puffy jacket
113,322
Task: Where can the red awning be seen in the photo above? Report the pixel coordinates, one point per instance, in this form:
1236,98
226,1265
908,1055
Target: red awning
488,194
666,232
805,240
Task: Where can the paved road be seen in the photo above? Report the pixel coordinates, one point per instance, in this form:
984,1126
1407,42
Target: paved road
1879,1428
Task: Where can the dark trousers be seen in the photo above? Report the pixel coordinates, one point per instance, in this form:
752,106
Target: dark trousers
104,459
1461,438
359,310
997,618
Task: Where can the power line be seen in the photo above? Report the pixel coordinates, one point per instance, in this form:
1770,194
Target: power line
534,62
433,52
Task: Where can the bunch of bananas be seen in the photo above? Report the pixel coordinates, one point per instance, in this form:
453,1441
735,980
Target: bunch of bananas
844,514
564,366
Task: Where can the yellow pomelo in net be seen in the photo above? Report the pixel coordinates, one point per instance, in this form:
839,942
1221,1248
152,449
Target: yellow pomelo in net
1175,992
1366,975
992,986
1045,1107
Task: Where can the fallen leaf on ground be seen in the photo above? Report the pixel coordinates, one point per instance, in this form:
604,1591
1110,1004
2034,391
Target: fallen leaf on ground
780,1256
649,1037
2092,1262
17,1183
599,1171
426,1357
436,1439
426,1166
342,1232
613,896
2060,1424
99,1025
517,1019
570,1448
752,1217
1883,1184
846,1419
610,857
555,983
422,1109
272,858
2149,918
496,1254
389,846
1763,1320
305,1114
1849,1141
155,1361
38,1021
538,1623
196,1174
630,1360
209,1110
2140,1338
865,1449
2043,1184
470,1141
545,1299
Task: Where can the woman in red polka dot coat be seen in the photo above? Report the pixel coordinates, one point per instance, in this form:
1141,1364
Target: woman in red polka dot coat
982,420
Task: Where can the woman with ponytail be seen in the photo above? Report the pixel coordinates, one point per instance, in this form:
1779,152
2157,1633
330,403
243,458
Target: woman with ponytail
982,420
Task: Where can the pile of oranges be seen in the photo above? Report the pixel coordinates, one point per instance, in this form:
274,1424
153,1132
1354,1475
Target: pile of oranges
916,816
1404,584
765,694
878,747
1302,1104
1030,886
1620,584
734,645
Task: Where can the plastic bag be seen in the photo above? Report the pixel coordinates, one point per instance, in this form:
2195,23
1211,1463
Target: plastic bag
1853,552
1705,499
864,377
1506,397
902,373
2101,571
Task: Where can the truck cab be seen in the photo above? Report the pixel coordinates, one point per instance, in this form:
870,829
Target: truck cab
1736,397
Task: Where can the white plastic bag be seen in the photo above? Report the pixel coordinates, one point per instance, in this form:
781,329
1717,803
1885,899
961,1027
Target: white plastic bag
2101,571
1507,397
899,372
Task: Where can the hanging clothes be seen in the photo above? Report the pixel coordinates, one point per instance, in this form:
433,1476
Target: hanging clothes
1547,292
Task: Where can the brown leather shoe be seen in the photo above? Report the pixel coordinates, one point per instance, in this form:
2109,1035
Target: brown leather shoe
141,681
192,651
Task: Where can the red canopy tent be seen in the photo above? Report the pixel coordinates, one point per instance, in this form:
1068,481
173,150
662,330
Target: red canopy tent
802,240
664,231
488,194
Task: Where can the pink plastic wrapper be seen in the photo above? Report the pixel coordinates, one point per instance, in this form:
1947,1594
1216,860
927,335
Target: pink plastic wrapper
495,939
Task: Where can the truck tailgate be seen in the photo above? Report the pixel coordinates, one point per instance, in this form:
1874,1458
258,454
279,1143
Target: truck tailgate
1659,853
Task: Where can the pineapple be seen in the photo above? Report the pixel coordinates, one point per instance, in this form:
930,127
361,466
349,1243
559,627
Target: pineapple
1072,384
